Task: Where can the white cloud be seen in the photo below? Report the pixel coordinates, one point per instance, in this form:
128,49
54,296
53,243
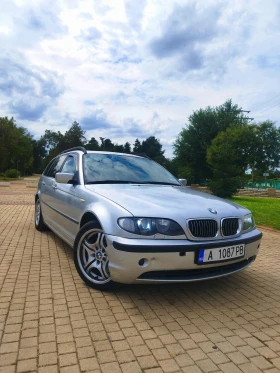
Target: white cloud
118,63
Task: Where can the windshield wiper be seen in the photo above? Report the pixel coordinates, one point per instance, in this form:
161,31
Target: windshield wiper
131,182
110,182
159,183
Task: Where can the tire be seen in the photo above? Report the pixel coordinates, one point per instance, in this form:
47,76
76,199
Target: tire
90,257
38,218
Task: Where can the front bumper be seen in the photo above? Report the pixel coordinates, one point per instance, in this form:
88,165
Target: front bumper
173,260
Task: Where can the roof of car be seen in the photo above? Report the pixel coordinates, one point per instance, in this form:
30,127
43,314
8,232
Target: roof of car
85,151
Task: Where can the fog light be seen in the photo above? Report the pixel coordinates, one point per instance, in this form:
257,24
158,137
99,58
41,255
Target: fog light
143,262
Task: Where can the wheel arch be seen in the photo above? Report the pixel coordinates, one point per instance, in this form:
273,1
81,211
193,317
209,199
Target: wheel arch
89,216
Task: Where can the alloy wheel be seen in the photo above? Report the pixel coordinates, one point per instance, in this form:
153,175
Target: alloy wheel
37,212
92,256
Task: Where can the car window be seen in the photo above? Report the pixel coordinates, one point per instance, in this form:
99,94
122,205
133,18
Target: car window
100,168
69,165
56,166
48,168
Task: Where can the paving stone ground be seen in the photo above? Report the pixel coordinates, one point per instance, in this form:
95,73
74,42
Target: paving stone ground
51,322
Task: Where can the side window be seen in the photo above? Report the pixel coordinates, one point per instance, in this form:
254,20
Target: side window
69,165
56,166
52,165
46,170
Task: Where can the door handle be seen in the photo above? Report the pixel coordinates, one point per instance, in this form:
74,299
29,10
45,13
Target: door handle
43,183
54,186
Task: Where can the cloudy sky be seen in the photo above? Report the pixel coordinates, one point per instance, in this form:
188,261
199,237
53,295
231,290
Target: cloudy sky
128,69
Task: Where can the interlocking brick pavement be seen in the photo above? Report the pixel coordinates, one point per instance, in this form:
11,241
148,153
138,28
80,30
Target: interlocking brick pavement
51,322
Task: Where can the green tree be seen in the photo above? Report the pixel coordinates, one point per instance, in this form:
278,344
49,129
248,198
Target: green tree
23,151
93,144
56,142
119,148
191,145
108,145
16,151
238,149
137,148
127,148
231,153
268,153
153,148
39,154
75,136
8,141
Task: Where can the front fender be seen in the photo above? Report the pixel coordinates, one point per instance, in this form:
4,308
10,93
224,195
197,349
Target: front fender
107,213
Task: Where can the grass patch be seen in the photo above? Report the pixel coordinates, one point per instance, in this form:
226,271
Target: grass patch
266,211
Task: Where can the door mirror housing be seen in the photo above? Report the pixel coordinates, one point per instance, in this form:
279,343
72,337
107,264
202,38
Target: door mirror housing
183,181
65,178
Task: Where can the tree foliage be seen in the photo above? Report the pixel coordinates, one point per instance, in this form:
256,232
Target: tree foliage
268,145
19,149
233,151
16,147
220,144
191,145
229,156
238,149
151,147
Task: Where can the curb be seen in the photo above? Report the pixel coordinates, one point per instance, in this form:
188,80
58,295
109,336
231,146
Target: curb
268,229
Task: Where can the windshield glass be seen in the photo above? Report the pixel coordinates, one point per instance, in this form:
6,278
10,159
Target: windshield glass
114,168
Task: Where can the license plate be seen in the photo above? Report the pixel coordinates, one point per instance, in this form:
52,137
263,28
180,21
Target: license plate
220,254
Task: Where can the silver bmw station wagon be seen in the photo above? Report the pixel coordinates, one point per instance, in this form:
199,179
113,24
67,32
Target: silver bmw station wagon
130,221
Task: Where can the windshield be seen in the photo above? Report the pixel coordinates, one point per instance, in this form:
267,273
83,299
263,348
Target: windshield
114,168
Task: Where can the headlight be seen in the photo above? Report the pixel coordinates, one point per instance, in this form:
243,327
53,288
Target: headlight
249,223
151,226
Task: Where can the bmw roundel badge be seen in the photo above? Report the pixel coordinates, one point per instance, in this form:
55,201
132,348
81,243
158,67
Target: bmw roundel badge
212,211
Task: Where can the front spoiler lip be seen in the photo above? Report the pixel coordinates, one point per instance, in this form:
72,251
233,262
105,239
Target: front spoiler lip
183,248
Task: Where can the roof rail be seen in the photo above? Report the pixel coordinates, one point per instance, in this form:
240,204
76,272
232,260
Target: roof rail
142,155
75,148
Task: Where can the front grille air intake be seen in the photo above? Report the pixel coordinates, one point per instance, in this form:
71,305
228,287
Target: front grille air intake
196,274
203,228
230,226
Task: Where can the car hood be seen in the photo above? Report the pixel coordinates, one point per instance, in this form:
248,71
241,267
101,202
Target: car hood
166,201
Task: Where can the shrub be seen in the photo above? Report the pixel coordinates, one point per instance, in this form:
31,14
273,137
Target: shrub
224,187
12,173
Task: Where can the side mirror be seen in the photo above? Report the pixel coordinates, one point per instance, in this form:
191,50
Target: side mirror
183,181
64,178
